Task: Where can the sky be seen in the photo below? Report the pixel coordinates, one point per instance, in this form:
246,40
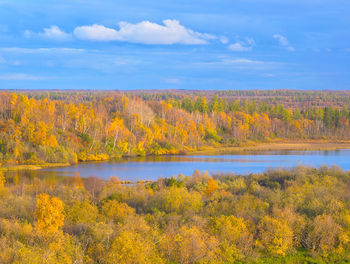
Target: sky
182,44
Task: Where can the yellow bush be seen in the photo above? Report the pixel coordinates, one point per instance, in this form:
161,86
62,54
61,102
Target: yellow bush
49,213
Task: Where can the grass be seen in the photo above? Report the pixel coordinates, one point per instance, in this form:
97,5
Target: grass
32,167
278,145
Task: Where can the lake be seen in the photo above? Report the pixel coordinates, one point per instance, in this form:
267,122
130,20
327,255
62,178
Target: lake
151,168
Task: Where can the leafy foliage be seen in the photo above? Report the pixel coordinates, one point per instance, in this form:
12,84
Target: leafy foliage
67,127
301,215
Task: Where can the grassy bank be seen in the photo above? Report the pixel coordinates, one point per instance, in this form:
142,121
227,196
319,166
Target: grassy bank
32,167
276,145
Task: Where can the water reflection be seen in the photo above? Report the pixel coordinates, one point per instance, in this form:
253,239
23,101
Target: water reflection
151,168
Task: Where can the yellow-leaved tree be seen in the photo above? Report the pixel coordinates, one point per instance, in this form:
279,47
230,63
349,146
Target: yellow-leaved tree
235,237
132,247
326,237
192,245
116,211
2,184
52,141
49,213
211,187
275,236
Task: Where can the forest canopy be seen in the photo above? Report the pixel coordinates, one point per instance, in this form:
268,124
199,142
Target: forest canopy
67,127
301,215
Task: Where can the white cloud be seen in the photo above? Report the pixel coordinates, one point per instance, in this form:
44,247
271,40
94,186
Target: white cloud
53,33
28,33
21,77
242,61
250,41
2,60
269,75
96,32
145,32
224,40
239,47
283,41
238,61
246,45
240,64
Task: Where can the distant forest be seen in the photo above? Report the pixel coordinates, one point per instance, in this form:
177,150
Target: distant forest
70,126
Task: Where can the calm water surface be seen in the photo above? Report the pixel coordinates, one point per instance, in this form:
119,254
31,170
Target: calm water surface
151,168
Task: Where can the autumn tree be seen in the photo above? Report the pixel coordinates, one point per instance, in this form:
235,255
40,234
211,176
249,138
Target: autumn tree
234,236
275,236
192,245
49,213
81,212
211,187
132,247
326,237
2,184
116,211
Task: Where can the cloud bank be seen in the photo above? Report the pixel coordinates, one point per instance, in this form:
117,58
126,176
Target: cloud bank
145,32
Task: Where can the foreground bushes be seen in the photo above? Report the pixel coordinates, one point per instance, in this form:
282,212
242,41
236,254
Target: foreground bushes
283,216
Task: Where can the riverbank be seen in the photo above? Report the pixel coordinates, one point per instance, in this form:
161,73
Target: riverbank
33,167
251,147
277,146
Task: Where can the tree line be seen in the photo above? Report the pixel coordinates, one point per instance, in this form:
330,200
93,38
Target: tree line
67,127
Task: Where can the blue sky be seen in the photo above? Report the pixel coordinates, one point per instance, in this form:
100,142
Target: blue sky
233,44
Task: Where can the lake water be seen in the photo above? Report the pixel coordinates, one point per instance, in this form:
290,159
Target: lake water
151,168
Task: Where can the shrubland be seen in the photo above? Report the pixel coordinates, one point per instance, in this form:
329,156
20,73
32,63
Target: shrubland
301,215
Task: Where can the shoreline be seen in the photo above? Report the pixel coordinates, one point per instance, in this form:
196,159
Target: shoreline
270,146
33,166
278,146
